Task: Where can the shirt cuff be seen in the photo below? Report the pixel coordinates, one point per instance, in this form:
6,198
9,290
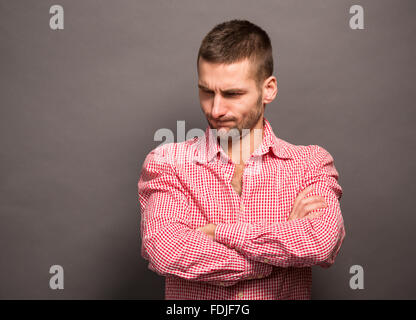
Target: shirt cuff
261,270
232,235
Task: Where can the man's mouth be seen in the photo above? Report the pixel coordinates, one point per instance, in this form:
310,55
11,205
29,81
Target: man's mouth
219,123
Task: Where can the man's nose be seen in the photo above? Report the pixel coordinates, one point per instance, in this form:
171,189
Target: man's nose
218,107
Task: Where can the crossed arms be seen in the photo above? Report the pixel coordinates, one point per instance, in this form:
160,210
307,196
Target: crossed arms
224,254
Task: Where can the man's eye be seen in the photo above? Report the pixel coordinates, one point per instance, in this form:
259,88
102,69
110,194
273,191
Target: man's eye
233,94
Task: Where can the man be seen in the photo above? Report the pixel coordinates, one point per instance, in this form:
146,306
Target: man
221,224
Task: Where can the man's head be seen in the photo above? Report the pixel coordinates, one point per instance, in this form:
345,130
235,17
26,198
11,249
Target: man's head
235,67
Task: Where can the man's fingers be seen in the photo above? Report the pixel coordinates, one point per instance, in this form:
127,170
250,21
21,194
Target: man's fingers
307,209
313,206
301,195
313,199
309,204
303,205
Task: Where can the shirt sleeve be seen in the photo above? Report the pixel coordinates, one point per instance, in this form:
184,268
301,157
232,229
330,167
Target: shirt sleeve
169,242
301,242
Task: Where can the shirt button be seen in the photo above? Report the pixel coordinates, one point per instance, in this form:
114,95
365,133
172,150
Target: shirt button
266,260
259,276
222,284
240,294
242,207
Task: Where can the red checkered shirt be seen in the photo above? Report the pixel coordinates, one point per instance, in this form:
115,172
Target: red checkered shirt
257,253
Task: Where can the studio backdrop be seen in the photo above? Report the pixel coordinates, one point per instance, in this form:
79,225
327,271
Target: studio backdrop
85,86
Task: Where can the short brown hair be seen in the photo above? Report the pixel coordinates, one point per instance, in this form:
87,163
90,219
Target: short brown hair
236,40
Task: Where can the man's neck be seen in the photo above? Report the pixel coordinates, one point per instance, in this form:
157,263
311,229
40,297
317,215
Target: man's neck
240,151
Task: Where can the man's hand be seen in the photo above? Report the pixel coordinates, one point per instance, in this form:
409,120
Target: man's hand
303,205
209,230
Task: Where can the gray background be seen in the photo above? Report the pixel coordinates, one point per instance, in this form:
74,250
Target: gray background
79,109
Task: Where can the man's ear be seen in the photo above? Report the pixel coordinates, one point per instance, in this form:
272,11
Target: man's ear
269,89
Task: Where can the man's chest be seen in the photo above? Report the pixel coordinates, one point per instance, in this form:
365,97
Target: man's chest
230,193
237,179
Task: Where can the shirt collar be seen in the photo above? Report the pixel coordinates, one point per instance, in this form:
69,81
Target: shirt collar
208,147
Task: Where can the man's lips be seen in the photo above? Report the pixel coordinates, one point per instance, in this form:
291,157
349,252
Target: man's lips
223,122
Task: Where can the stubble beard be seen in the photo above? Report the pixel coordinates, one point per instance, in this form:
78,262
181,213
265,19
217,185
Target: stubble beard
239,131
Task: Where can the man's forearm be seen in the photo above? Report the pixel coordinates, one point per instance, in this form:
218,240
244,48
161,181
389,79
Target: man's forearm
295,243
188,254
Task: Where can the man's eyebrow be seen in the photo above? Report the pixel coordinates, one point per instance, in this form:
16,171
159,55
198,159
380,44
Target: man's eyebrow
203,87
234,90
231,90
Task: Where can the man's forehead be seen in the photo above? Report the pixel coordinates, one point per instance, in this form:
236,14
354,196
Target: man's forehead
232,75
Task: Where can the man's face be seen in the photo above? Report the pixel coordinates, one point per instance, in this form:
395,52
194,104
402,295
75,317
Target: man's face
229,96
